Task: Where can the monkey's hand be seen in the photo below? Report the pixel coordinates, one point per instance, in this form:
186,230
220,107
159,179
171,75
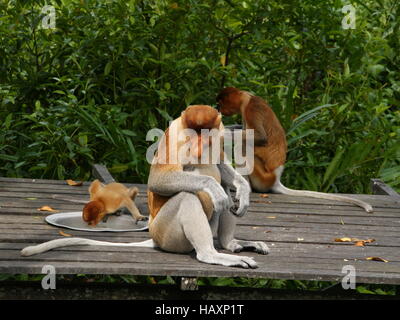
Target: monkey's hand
217,194
231,178
243,191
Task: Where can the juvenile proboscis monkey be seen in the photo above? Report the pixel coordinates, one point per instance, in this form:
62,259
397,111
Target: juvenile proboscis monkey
107,199
189,202
270,144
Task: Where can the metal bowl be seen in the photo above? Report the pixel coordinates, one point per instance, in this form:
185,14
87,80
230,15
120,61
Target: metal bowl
74,221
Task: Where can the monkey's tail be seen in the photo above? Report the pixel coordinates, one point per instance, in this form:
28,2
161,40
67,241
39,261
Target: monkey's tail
58,243
280,188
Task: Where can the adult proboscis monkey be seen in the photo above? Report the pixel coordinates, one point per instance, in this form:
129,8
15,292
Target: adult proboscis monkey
270,144
191,202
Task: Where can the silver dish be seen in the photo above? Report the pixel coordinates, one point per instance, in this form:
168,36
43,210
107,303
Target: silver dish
74,221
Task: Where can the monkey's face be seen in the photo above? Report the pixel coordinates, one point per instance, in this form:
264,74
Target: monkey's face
198,144
229,101
93,212
200,118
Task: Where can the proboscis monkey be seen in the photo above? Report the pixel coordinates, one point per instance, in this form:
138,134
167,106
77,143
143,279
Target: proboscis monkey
107,199
189,202
270,145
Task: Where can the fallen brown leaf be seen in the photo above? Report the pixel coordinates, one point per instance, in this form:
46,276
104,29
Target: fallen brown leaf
64,234
271,217
357,242
361,243
377,259
47,208
74,183
345,239
264,195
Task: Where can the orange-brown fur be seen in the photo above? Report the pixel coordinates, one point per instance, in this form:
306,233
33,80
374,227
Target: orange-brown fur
106,199
195,117
269,148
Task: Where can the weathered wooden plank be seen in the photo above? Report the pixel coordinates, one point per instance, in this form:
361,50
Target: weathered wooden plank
144,187
379,200
284,250
30,180
379,187
285,271
100,172
366,231
269,238
43,186
271,233
182,260
9,201
20,203
268,235
315,254
256,220
323,211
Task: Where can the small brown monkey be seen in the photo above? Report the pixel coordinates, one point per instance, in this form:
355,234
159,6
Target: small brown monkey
106,199
270,144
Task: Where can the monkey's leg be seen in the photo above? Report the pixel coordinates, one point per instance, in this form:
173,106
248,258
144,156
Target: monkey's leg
181,226
261,180
131,206
226,230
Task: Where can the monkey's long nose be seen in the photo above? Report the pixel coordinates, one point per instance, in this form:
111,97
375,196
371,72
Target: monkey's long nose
196,146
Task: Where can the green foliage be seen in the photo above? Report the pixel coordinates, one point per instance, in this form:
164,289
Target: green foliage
90,90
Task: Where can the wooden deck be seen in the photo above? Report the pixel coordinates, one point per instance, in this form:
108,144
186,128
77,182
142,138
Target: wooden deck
299,231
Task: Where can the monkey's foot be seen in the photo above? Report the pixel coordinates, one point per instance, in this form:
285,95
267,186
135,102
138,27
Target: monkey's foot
141,218
228,260
240,245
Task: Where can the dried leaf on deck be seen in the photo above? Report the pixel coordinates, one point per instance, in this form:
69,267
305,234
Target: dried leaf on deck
74,183
47,208
376,259
264,195
64,234
345,239
357,242
361,243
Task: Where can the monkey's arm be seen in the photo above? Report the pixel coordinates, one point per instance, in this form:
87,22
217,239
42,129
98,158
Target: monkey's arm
168,180
231,178
254,119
